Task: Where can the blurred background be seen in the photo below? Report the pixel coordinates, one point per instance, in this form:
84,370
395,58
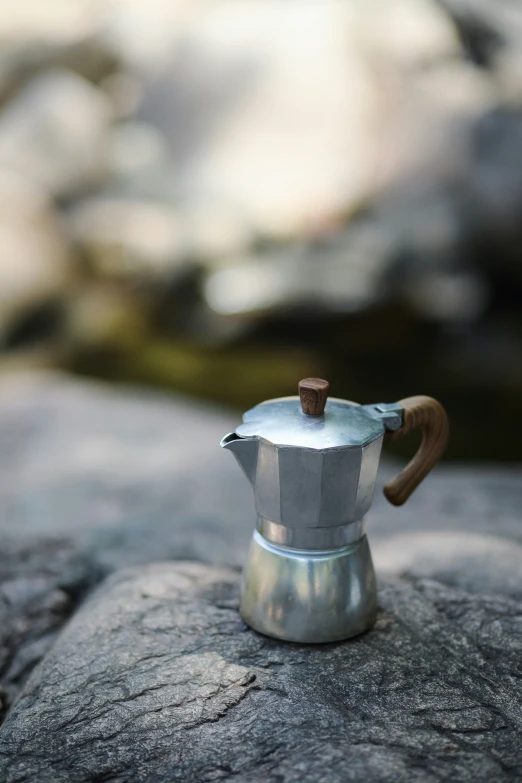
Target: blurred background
220,197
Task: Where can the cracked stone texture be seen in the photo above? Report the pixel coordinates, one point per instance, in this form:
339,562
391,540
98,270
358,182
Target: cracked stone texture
157,679
39,587
94,478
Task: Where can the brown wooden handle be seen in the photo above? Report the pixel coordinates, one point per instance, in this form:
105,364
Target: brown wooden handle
430,416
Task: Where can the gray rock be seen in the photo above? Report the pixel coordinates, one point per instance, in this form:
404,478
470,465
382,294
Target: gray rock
127,476
85,487
40,584
471,561
157,679
487,30
93,479
132,476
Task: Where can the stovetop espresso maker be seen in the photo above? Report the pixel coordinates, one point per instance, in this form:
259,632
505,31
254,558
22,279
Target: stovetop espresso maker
313,462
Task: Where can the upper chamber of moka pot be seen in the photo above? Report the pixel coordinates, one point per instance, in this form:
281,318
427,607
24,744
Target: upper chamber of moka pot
311,471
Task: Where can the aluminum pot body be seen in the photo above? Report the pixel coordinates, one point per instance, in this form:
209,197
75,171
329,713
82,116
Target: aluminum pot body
310,597
313,478
309,575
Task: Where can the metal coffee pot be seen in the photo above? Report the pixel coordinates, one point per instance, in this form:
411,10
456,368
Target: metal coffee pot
313,462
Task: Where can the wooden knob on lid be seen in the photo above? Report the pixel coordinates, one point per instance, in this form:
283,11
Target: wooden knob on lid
313,393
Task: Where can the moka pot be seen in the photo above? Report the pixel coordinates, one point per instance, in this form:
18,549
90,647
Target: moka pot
313,463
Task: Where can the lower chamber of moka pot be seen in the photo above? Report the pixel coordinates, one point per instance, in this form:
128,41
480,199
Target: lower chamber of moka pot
311,597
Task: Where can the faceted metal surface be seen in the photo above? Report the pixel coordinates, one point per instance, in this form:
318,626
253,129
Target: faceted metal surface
283,423
309,575
308,597
301,487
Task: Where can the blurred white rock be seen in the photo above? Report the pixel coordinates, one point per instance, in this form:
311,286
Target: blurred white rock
36,35
48,22
216,234
54,132
223,124
448,296
34,257
342,273
144,33
428,131
138,161
271,110
124,91
409,33
296,114
124,238
433,93
136,147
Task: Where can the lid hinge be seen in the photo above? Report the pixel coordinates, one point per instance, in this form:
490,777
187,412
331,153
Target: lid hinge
390,413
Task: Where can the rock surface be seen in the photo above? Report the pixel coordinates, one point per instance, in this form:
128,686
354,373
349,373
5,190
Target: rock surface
93,479
132,476
40,583
157,679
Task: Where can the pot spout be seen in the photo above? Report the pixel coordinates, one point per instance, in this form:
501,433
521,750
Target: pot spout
245,452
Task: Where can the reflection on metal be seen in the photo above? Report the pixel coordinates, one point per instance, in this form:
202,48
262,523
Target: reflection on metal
249,287
313,538
302,596
309,575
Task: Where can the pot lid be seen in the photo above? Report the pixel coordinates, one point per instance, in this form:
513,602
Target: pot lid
311,421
